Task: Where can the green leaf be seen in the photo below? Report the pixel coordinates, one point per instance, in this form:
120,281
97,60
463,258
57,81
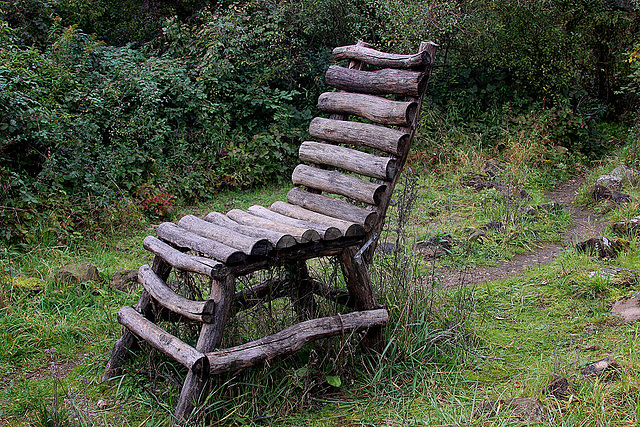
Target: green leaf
334,381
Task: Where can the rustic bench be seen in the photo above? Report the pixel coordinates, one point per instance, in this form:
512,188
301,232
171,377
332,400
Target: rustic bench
358,160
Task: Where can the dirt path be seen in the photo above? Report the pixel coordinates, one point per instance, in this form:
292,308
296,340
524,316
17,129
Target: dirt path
585,224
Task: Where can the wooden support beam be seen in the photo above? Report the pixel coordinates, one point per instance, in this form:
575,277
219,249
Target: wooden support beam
332,207
201,311
184,261
382,138
348,159
250,245
374,108
379,82
180,237
293,339
338,183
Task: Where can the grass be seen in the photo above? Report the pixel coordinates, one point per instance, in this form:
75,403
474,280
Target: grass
449,351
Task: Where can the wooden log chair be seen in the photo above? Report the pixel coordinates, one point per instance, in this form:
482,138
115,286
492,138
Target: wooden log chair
386,90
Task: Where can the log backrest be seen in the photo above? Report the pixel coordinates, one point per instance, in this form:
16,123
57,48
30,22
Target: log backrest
362,158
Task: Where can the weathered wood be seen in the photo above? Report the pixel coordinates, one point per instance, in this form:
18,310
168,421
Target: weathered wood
293,339
186,239
338,183
195,384
201,311
247,244
339,296
374,108
358,281
278,240
302,235
346,158
347,132
387,81
326,232
347,228
332,207
383,59
163,341
183,261
267,290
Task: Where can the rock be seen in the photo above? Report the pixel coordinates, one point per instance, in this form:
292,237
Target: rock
125,280
435,246
478,181
619,277
527,409
605,368
477,236
560,388
626,175
600,192
610,182
628,308
78,273
627,227
603,247
492,226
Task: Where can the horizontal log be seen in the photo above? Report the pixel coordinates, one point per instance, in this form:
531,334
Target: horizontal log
185,239
201,311
338,183
347,228
260,292
374,108
382,59
163,341
183,261
247,244
293,339
302,235
348,159
326,232
379,82
332,207
339,296
278,240
347,132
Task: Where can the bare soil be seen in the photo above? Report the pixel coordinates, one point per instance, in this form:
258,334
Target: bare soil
586,224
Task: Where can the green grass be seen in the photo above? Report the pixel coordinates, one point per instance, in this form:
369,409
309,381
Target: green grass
448,351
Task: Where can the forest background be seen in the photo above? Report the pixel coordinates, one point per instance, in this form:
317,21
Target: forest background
110,109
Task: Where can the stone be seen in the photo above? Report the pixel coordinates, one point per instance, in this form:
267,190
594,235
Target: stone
606,368
628,308
560,388
626,175
492,226
78,273
125,280
600,192
493,167
610,182
477,236
617,276
527,409
603,247
627,227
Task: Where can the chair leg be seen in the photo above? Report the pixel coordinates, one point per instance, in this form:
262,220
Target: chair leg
360,289
210,337
302,292
128,342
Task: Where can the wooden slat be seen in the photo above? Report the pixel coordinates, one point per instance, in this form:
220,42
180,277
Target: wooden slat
201,311
186,239
325,232
277,239
338,183
332,207
348,159
249,245
163,341
293,339
387,81
374,108
347,132
349,229
382,59
302,235
183,261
